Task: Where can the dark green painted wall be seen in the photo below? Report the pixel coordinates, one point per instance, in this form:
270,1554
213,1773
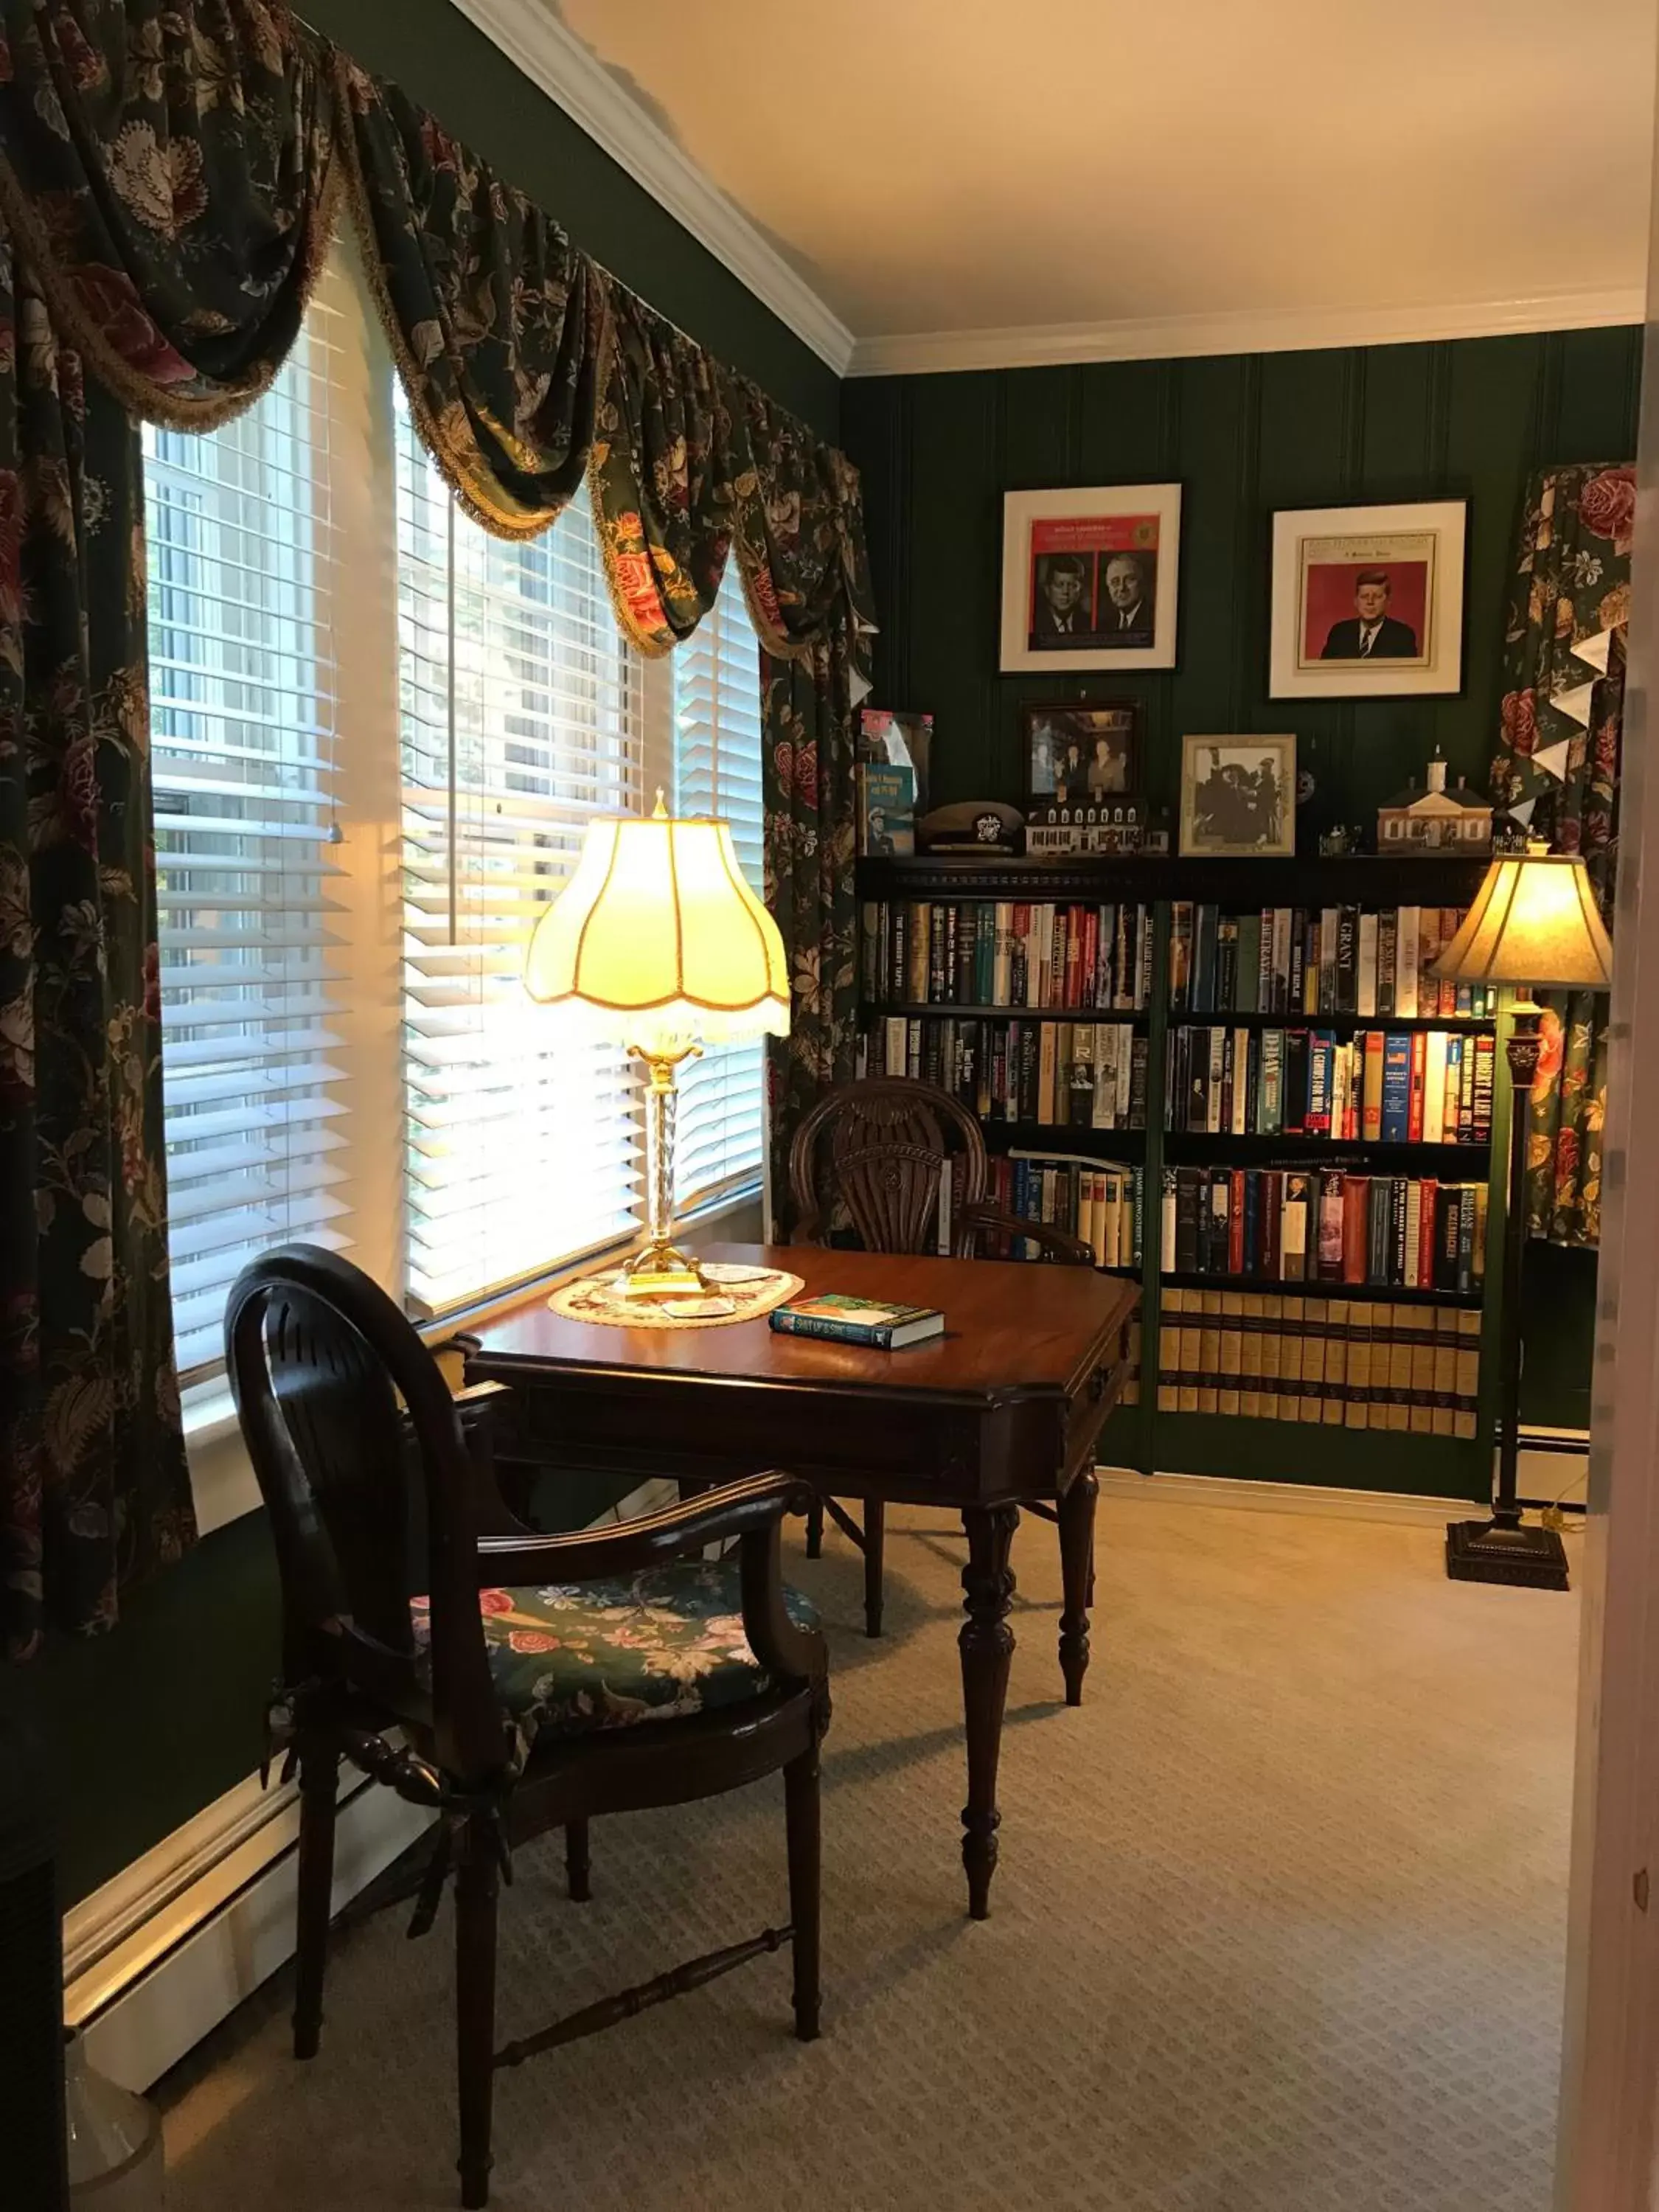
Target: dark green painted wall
1243,434
449,65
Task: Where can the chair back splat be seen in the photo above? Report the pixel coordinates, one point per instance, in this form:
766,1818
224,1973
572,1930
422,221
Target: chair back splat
367,1505
879,1147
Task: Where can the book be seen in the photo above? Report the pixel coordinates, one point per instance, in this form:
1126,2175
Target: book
887,811
844,1319
1397,1087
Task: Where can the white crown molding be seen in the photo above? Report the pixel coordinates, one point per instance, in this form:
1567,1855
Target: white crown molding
1239,330
552,57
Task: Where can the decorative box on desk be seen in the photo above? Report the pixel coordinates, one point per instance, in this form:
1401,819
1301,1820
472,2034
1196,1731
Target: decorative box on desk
1082,1048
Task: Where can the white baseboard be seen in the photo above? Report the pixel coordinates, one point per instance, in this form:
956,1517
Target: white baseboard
1288,1497
161,1955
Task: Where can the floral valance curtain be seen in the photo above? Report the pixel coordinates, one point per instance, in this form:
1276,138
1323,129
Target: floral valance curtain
168,175
1558,771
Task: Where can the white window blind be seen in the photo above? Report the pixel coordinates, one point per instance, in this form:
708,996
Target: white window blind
521,719
242,559
717,771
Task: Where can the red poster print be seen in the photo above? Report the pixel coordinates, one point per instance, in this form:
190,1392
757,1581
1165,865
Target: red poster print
1093,582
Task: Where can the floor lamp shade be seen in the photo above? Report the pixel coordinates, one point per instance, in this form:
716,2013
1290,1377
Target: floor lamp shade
1535,921
658,943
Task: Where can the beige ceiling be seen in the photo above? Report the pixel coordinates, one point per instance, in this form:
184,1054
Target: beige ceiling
947,165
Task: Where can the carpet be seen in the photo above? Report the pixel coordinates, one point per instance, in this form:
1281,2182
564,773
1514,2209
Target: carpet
1279,1925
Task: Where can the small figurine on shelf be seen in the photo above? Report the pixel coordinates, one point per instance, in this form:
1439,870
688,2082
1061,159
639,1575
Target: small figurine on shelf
1155,834
1434,820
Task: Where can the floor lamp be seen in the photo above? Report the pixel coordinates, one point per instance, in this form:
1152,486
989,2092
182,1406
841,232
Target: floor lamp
1534,925
658,944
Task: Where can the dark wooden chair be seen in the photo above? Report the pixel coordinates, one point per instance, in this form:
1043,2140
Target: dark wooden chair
874,1150
419,1623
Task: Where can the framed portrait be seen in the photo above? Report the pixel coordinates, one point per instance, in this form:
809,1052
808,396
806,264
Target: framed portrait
1080,751
1238,796
1089,578
1368,601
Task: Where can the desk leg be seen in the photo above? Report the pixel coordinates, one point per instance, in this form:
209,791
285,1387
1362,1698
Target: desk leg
987,1643
1077,1569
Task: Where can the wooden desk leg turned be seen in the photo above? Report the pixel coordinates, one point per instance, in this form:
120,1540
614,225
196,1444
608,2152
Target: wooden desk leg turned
1076,1570
987,1645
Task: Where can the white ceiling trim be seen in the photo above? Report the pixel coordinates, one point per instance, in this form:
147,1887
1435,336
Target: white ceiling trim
1243,330
551,56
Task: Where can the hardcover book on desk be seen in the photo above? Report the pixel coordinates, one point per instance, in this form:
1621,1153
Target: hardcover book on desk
842,1319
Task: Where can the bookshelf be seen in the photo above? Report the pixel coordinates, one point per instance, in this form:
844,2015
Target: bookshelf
1308,1438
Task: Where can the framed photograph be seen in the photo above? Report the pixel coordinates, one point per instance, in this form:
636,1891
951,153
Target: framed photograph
1368,601
1080,751
1238,796
1090,577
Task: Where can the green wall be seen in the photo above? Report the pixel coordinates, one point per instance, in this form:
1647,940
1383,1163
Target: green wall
448,64
1243,434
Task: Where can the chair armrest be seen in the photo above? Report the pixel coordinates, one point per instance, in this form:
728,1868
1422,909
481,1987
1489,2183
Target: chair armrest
760,1501
1057,1244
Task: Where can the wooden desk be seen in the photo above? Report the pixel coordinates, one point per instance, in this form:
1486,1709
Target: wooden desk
1004,1406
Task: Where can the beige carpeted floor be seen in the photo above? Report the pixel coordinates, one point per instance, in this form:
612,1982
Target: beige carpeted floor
1278,1927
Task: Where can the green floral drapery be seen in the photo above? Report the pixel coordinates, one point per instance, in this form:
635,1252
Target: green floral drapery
1557,770
166,182
810,848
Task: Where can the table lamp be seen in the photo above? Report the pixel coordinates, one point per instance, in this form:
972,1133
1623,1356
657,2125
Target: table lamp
1534,924
659,942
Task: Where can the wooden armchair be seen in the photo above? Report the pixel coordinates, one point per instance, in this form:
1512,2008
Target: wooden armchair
445,1632
876,1149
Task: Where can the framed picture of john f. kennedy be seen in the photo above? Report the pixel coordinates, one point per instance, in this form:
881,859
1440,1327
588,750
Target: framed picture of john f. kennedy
1368,601
1089,578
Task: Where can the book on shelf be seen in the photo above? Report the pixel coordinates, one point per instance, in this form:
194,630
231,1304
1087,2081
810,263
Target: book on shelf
1313,961
840,1319
1058,1074
887,811
1337,1362
1099,1200
1375,1086
1335,1225
1036,955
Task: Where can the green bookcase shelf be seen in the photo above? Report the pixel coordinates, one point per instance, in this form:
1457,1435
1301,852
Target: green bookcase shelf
1142,1435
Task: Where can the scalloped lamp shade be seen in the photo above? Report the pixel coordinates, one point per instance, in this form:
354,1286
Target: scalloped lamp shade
657,936
1534,921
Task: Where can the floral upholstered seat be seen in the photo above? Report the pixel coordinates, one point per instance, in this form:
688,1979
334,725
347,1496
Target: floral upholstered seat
569,1658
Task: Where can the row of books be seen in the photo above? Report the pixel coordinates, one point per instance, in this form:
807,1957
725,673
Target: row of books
1285,1224
1324,960
979,952
1345,1362
1080,1075
1378,1086
1099,1200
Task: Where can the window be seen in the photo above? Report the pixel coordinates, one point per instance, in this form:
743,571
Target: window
522,717
717,770
241,559
377,734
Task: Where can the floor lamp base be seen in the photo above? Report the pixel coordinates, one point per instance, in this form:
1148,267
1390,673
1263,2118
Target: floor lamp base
1524,1559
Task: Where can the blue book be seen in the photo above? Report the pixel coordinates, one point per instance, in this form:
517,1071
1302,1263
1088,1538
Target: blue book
1397,1089
887,811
